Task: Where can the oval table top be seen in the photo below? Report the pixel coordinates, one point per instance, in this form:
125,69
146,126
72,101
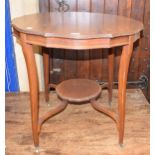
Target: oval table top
77,25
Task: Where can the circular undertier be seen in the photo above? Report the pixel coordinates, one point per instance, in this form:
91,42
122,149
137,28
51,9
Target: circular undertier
78,90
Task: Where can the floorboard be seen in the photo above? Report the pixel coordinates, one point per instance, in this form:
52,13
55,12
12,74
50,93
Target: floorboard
79,130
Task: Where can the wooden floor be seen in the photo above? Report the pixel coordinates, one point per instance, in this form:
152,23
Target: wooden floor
79,130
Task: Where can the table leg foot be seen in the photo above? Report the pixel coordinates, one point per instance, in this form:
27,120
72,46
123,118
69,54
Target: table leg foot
121,145
48,104
37,149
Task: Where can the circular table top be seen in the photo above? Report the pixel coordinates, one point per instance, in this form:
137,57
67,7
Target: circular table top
78,90
77,25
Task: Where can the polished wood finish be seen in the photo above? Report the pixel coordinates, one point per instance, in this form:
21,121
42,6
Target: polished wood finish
46,72
78,90
43,36
79,130
99,107
123,73
110,73
59,108
74,27
78,44
33,85
139,10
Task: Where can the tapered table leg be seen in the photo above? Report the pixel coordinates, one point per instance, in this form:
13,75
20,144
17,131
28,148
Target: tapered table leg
33,85
46,72
122,77
110,73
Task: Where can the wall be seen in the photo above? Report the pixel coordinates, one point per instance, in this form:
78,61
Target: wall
20,8
137,9
91,64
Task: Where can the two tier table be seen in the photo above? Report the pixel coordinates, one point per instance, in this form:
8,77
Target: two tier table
79,31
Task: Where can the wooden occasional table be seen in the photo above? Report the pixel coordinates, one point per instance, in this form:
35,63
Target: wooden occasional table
79,31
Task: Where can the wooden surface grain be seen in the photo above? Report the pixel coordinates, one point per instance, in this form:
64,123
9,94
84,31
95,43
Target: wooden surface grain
78,90
97,31
131,8
73,25
79,130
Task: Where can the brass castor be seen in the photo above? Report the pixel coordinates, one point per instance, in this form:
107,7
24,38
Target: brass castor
36,149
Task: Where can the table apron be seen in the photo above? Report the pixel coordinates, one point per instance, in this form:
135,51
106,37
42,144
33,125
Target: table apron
76,44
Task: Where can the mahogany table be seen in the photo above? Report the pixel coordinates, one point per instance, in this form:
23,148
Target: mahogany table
79,31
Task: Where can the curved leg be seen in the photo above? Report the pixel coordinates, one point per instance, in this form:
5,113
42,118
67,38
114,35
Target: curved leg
59,108
34,86
122,77
46,72
110,73
99,107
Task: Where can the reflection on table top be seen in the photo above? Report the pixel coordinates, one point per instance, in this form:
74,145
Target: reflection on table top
77,25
